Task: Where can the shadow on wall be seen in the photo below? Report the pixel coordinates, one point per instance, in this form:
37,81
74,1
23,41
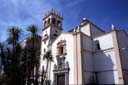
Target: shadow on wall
104,68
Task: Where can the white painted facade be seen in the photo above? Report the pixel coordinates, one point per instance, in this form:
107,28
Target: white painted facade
69,57
93,55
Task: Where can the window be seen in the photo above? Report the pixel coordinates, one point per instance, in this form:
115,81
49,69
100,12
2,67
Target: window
45,23
45,35
59,23
44,41
48,20
44,49
53,21
61,50
97,45
56,31
55,35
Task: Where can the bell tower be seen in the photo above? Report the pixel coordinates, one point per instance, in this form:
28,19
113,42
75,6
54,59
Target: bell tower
52,28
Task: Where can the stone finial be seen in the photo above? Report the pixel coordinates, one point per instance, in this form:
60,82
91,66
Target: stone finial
84,18
113,27
83,21
78,29
74,30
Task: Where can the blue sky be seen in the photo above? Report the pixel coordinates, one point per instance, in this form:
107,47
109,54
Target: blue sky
23,13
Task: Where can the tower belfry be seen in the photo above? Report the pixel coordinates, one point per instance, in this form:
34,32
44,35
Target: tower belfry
53,18
52,25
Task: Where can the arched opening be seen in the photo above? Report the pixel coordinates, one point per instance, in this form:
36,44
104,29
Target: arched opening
45,23
48,21
59,23
61,50
53,21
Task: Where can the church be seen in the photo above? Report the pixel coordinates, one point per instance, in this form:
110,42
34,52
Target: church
84,55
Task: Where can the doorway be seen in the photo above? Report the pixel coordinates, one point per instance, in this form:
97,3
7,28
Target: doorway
61,79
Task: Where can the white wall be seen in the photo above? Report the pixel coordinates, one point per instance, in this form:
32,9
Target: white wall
105,60
69,56
87,42
86,29
44,46
87,58
107,77
50,31
106,41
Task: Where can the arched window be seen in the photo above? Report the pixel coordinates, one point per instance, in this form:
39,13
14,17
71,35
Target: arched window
45,23
61,47
53,21
59,23
48,20
61,50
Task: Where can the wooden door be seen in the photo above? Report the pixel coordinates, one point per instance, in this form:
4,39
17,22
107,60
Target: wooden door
60,79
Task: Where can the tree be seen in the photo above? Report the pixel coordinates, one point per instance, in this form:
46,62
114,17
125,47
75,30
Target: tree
34,55
19,62
12,69
14,34
2,56
48,57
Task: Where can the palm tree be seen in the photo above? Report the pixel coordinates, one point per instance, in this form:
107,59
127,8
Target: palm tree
13,69
14,34
33,29
33,34
48,57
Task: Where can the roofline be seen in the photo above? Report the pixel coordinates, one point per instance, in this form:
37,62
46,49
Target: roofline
52,14
111,32
92,24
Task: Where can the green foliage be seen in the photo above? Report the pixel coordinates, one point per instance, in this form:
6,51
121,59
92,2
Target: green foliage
48,56
14,34
18,62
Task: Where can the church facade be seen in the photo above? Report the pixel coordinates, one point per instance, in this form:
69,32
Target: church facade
85,54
